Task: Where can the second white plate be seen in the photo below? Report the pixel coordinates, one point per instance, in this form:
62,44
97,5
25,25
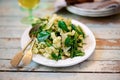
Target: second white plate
93,13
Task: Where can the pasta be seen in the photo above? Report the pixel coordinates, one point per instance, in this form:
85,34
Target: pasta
57,38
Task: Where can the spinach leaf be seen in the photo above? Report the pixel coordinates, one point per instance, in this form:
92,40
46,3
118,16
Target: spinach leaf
38,26
54,56
60,54
62,25
78,30
73,27
68,41
57,57
42,36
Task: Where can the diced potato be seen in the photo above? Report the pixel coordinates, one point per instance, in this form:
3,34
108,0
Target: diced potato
41,51
54,50
80,37
46,55
57,42
48,50
71,33
67,54
53,35
35,50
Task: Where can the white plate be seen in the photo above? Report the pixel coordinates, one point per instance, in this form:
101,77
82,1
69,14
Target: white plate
88,48
93,13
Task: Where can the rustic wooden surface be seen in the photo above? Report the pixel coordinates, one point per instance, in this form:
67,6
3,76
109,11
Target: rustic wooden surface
104,64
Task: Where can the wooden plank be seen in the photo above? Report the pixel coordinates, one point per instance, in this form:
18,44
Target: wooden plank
7,22
11,32
105,31
14,7
97,55
19,13
18,16
15,31
57,76
105,55
101,43
109,31
108,44
8,53
10,43
86,66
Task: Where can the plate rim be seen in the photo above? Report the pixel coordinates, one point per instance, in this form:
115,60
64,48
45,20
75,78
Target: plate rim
75,59
92,9
93,13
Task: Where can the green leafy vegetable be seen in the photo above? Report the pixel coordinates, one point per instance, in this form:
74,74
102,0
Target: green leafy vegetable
42,36
78,30
60,54
79,53
75,41
71,43
54,56
68,41
74,46
48,42
57,57
62,25
38,26
73,27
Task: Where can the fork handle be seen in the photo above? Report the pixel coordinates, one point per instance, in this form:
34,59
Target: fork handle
18,57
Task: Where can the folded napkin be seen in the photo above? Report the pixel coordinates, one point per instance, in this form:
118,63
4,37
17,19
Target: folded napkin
63,3
60,4
99,4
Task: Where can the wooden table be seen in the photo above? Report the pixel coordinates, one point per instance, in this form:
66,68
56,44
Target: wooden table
104,64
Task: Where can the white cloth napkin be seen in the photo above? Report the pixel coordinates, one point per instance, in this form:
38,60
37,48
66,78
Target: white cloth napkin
98,4
60,4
